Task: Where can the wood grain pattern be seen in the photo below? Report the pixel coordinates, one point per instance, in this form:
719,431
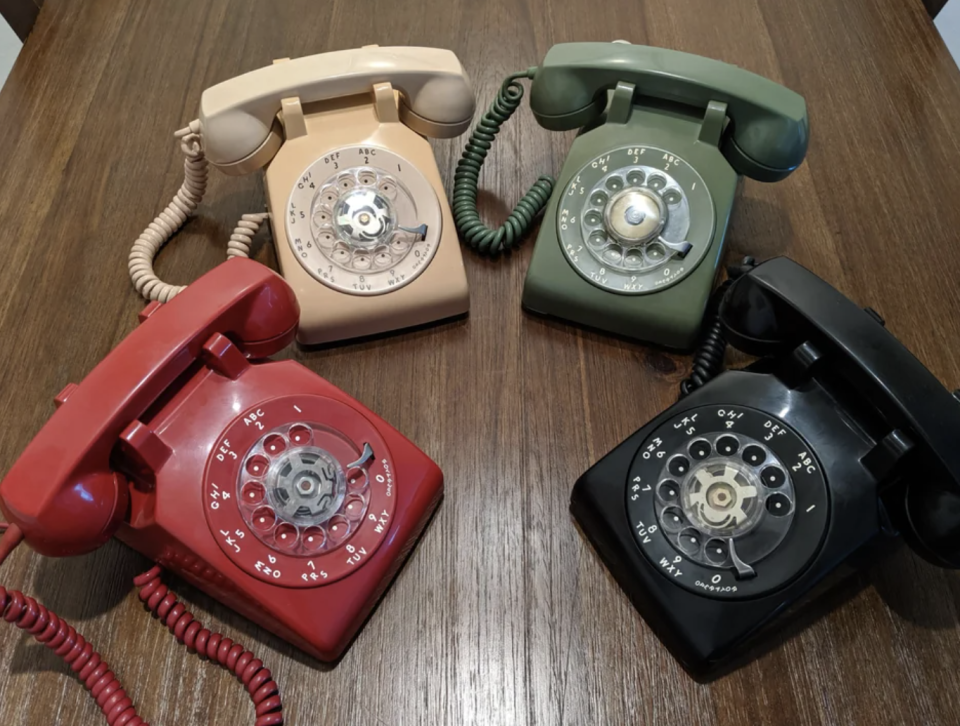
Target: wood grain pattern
503,614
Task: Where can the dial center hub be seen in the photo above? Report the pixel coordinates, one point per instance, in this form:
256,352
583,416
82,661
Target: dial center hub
363,218
722,497
635,215
306,485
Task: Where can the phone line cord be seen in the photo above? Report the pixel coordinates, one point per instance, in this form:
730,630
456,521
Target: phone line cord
708,358
472,230
242,236
166,224
63,639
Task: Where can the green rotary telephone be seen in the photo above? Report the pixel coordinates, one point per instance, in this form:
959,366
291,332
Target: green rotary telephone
632,236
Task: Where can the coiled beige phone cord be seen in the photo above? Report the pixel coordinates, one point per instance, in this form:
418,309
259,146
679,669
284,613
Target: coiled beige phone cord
166,224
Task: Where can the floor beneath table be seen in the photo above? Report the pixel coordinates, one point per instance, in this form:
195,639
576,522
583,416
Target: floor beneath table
9,49
948,23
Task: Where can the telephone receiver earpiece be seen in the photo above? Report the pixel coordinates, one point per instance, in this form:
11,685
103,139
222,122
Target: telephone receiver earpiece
768,132
932,514
62,492
757,322
238,117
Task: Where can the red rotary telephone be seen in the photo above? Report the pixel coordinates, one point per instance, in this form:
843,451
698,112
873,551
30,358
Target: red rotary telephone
256,481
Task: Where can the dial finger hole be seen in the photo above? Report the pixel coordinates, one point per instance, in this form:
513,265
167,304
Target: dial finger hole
613,255
353,508
593,218
614,184
257,465
314,538
778,504
700,449
286,536
252,493
341,255
672,197
382,259
322,218
326,239
598,198
356,478
716,551
264,519
361,262
773,477
678,466
635,178
388,189
400,243
329,196
633,258
673,519
300,435
337,529
655,252
656,182
367,178
274,444
597,239
689,541
754,455
668,491
346,182
727,445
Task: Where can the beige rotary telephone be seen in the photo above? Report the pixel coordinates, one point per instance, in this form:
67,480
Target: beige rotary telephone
362,226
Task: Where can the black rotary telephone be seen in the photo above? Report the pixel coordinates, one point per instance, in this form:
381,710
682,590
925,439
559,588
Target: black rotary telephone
746,499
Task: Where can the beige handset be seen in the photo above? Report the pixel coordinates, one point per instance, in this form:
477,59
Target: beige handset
362,226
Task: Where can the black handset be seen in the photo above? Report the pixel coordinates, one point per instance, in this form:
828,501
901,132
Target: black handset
759,488
911,400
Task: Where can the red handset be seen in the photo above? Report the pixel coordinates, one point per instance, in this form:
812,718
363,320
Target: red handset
257,481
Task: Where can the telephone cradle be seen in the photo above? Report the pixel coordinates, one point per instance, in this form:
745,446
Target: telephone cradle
256,481
744,501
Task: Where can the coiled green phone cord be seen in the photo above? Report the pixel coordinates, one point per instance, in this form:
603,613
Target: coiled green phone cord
472,231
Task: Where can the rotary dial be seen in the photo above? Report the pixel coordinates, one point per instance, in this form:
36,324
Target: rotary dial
727,501
296,502
299,498
363,221
635,220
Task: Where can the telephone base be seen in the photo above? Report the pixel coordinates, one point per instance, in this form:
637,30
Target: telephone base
368,317
710,617
673,328
679,181
383,166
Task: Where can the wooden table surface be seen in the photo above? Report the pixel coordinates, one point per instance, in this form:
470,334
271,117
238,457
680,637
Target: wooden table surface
503,615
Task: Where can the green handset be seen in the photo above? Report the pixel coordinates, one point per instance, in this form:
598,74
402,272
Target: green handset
631,240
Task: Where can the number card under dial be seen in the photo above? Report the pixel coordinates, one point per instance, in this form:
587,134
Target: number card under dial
727,501
295,501
635,220
363,220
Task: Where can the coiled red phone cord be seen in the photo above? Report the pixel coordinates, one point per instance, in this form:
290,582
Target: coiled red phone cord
54,632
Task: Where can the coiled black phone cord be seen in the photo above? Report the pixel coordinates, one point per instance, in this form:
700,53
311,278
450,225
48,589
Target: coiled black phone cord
472,230
708,358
